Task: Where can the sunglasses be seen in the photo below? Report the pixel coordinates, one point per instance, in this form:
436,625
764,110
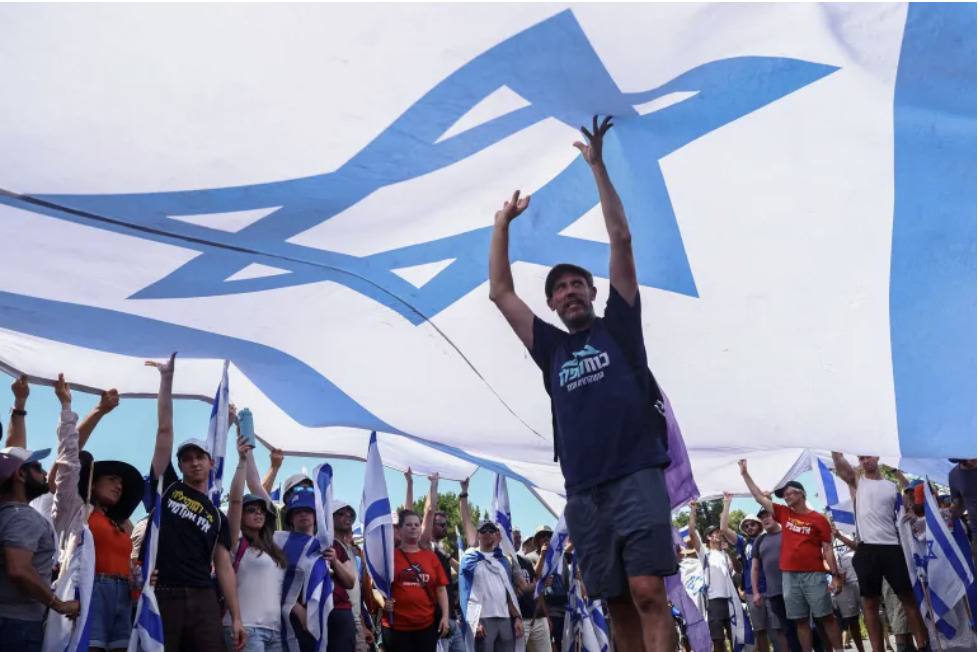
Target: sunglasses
254,509
441,523
300,488
488,530
32,466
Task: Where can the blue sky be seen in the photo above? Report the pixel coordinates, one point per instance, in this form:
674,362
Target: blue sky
129,433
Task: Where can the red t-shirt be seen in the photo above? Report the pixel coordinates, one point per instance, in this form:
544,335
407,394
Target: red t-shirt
801,541
341,599
413,584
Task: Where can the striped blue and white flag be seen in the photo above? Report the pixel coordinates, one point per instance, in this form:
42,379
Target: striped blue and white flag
599,625
217,438
301,551
322,484
378,526
75,583
949,571
502,515
836,496
459,543
319,584
915,554
147,629
553,560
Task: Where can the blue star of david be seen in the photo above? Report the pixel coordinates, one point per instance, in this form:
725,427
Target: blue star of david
553,66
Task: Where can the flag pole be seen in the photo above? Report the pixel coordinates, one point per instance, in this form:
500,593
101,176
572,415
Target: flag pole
933,618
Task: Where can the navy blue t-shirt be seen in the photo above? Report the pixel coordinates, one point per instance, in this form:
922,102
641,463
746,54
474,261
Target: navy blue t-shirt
606,424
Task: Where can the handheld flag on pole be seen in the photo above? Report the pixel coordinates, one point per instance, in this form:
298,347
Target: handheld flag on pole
217,438
76,583
147,629
948,570
319,584
835,494
553,560
378,527
501,515
460,544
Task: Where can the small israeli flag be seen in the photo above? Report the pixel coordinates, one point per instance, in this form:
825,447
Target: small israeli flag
217,438
378,528
147,629
502,516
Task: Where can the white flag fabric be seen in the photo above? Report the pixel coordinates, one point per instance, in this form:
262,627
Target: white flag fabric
502,515
378,527
217,437
948,570
553,560
322,484
836,496
75,582
147,628
784,167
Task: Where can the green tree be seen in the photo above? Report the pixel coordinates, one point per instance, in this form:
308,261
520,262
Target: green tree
451,505
707,514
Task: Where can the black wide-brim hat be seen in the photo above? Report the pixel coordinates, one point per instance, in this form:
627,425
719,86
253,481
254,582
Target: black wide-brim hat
132,486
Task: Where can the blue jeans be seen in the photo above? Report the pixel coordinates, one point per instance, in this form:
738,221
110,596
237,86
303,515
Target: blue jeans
455,641
260,639
21,635
111,614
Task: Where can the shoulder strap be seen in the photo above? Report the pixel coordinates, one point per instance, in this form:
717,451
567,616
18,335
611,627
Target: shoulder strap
242,547
417,576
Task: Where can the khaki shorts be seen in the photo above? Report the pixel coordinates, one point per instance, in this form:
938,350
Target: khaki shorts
762,618
896,615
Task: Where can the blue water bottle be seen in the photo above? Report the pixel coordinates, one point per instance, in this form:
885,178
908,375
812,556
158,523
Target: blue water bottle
247,424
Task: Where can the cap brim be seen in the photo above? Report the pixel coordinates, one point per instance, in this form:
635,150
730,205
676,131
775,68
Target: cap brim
38,455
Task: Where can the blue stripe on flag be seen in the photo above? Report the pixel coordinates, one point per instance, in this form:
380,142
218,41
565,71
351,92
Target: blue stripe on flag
932,275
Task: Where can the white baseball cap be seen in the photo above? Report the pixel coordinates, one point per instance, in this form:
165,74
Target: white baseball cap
25,456
193,443
293,480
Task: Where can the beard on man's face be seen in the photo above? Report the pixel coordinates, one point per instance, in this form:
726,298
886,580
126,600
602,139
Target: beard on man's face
34,488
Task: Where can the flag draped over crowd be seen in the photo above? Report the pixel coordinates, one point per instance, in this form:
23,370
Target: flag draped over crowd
785,170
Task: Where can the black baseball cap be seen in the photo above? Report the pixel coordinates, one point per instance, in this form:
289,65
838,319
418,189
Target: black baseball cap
790,484
565,268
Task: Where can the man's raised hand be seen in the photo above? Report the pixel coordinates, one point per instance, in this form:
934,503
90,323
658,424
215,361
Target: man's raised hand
21,389
165,368
593,151
512,208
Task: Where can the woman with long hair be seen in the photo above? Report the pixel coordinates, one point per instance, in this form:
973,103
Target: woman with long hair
259,563
418,587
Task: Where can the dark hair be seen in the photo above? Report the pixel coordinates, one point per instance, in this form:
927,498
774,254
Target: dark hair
404,514
565,268
264,541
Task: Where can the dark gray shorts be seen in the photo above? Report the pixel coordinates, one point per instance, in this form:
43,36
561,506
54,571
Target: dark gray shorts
622,529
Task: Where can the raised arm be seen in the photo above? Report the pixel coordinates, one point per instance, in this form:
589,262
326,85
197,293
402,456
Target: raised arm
622,265
164,410
762,499
236,494
694,535
106,403
67,510
275,464
844,469
902,480
17,426
428,521
725,520
463,511
502,292
409,498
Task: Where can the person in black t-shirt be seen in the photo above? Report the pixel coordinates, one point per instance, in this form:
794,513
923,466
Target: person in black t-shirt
608,416
193,537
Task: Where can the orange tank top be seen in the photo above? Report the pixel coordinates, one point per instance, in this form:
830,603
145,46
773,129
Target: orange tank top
112,547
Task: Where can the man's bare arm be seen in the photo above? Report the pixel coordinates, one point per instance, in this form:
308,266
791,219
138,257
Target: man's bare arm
622,264
725,520
502,291
844,469
164,408
17,426
762,499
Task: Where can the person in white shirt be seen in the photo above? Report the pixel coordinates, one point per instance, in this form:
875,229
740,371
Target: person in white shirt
718,568
259,564
879,555
490,606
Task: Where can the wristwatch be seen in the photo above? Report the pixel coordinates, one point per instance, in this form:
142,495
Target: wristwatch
19,413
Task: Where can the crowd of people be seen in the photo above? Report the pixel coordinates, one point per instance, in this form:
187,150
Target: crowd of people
237,579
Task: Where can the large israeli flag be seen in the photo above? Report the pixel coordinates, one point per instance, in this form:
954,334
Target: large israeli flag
502,516
217,437
147,628
785,167
378,529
